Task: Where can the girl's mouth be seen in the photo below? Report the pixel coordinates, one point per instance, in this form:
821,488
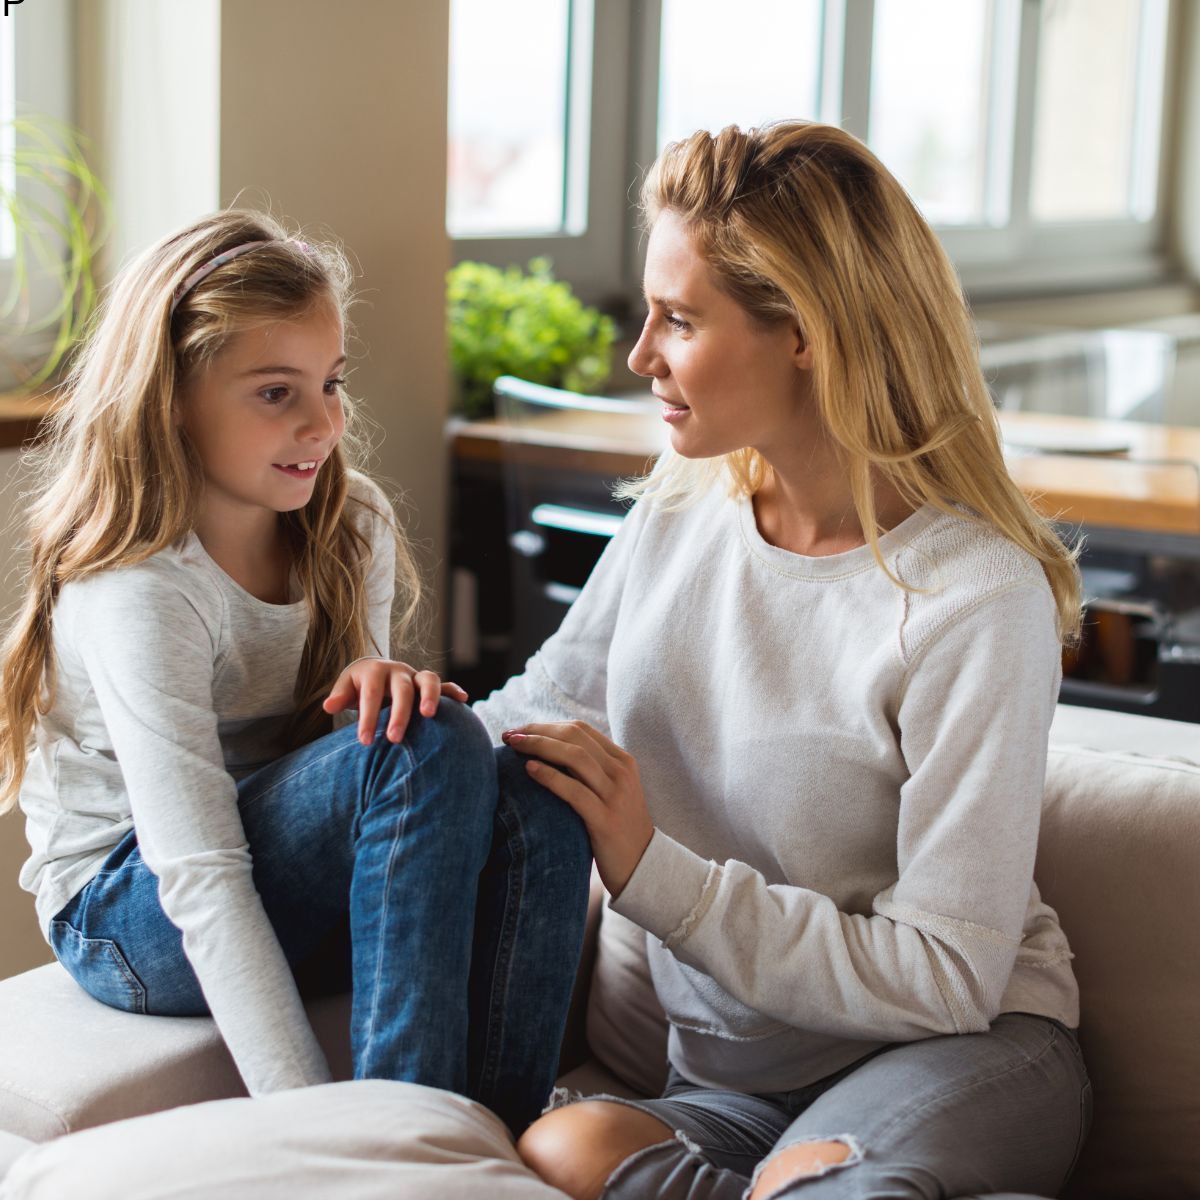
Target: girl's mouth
299,470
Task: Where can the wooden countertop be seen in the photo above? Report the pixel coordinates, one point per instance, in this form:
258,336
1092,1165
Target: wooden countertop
20,416
1152,485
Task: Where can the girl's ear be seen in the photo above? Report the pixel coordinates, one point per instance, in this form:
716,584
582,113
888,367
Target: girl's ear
802,353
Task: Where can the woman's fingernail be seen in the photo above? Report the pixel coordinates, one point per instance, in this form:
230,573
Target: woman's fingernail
533,766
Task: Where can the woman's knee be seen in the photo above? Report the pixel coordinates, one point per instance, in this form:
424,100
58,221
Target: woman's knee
577,1147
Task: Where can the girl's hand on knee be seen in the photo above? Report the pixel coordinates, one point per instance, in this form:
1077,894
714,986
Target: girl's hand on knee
366,684
600,781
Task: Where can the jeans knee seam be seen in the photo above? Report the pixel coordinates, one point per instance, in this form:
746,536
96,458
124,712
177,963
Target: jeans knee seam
393,850
501,975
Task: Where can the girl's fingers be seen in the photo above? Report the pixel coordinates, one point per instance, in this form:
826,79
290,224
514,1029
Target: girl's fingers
341,695
454,691
370,697
400,687
429,685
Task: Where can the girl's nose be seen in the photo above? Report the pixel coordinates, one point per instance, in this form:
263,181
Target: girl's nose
318,419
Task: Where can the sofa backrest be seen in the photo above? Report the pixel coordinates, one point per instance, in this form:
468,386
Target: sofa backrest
1119,859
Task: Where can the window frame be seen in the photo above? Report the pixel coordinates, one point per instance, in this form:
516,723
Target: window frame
590,261
1019,258
43,82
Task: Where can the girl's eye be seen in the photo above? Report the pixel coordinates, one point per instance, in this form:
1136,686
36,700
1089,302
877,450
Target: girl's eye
274,395
332,385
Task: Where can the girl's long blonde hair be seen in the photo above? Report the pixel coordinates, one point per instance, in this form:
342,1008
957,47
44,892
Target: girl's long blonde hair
115,479
800,222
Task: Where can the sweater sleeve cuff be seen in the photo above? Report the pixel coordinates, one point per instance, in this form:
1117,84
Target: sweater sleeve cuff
669,889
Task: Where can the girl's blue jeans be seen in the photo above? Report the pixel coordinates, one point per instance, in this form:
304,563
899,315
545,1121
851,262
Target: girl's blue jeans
464,885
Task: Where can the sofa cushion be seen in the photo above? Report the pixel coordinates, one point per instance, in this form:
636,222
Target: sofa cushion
11,1148
1119,859
366,1140
626,1025
68,1062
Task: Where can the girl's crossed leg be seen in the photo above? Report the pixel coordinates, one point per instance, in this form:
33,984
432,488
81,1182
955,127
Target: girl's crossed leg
464,884
994,1114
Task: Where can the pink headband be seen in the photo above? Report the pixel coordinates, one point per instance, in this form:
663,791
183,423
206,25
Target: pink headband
219,261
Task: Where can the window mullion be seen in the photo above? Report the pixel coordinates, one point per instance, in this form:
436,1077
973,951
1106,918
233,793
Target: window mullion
859,34
1024,111
833,57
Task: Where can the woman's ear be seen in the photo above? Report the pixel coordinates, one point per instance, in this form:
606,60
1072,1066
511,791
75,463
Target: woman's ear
802,353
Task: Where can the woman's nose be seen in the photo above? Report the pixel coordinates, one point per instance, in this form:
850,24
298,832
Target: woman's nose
642,358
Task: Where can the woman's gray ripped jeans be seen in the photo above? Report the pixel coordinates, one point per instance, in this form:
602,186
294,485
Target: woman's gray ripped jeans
996,1114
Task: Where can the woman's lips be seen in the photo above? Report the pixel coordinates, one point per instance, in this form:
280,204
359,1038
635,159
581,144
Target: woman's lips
674,412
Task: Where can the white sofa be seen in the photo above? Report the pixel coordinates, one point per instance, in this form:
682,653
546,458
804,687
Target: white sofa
1119,859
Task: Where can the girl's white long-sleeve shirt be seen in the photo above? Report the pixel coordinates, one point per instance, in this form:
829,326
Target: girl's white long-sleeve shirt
845,778
173,682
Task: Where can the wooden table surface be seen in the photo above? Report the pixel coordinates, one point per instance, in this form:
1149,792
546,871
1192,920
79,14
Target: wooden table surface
20,416
1152,486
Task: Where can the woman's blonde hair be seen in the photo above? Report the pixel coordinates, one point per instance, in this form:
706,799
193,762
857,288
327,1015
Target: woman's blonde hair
800,222
115,478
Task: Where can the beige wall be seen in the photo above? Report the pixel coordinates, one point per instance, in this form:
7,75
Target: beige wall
336,114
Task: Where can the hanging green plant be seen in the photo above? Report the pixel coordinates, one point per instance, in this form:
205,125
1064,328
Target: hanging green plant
59,213
507,322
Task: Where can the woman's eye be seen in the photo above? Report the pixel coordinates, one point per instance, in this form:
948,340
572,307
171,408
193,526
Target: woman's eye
676,323
332,385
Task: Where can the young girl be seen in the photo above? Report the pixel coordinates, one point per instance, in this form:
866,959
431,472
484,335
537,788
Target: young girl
803,706
210,582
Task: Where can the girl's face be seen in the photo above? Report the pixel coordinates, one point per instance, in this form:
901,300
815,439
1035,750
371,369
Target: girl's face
266,414
726,381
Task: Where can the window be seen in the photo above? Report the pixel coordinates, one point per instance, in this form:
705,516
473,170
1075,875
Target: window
536,140
35,77
1028,131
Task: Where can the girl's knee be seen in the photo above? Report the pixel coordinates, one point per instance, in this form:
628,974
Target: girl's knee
535,802
577,1147
453,729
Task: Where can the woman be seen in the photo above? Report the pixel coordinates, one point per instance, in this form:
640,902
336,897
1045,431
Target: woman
802,707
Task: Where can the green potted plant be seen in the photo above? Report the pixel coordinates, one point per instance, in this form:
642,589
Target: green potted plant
524,323
58,210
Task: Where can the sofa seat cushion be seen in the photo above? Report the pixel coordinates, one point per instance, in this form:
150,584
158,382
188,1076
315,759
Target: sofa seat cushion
364,1140
68,1062
11,1148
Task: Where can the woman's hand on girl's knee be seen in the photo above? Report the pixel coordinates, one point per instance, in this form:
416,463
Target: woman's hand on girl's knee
368,683
600,781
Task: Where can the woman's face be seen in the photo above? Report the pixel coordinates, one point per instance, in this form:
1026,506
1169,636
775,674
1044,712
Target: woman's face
726,380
